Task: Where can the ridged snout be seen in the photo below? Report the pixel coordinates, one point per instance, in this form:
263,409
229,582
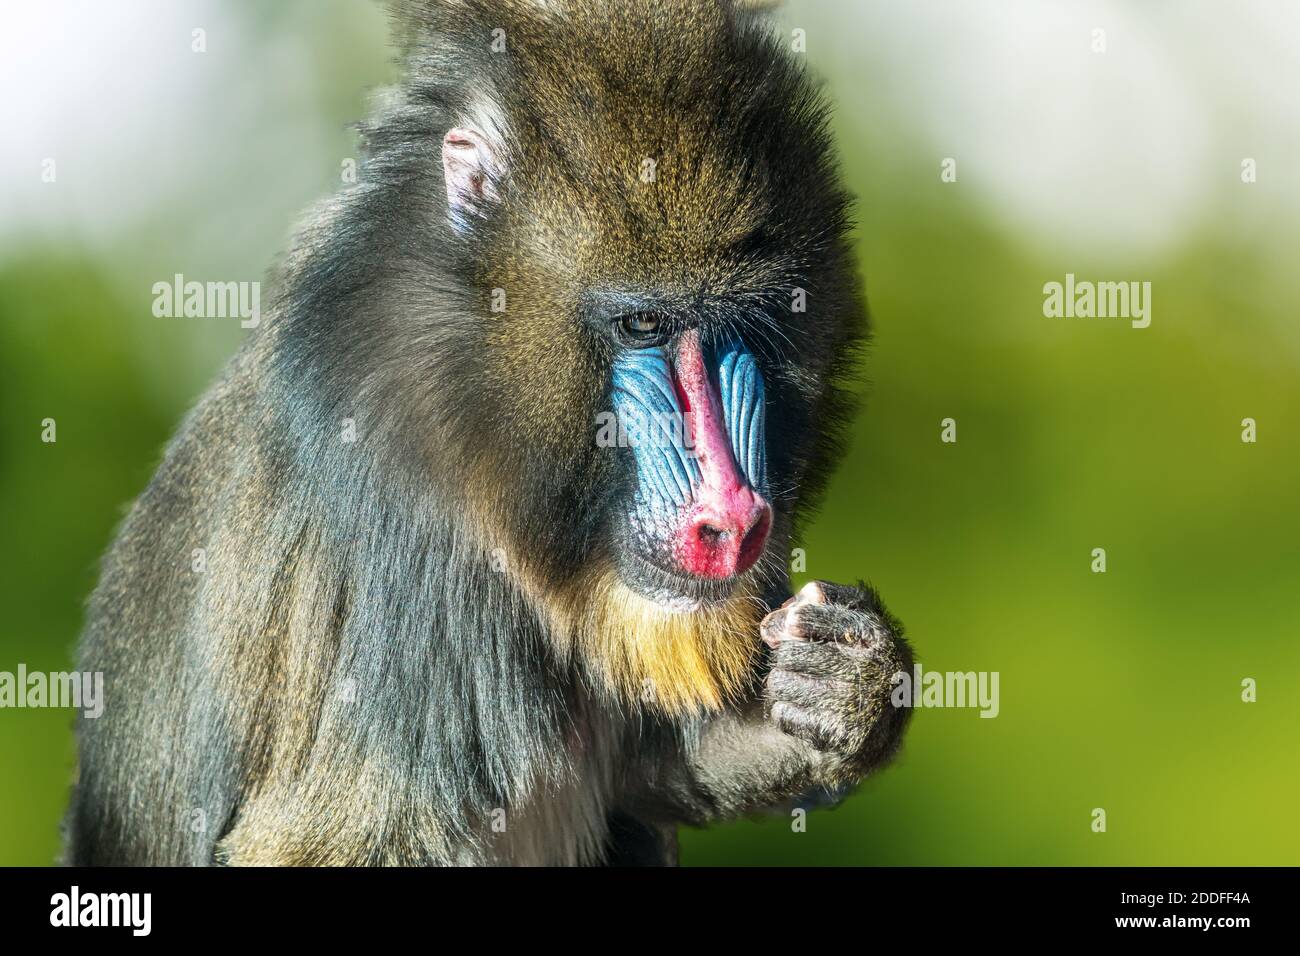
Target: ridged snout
725,529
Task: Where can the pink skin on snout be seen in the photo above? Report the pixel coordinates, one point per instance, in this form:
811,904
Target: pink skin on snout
724,531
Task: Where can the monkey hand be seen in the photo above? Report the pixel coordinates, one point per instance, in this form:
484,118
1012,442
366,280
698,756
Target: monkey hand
836,651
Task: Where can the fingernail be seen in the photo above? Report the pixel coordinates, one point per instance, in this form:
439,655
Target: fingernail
812,593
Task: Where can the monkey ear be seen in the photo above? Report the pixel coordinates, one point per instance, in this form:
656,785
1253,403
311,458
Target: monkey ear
471,168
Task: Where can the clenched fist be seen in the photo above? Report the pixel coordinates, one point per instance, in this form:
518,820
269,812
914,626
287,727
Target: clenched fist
836,652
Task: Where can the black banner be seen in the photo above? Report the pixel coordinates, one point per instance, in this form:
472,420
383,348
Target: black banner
1169,905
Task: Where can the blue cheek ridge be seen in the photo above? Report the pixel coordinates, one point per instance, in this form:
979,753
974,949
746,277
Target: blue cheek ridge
740,385
647,406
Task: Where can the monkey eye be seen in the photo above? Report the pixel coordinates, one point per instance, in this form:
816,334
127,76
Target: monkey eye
642,329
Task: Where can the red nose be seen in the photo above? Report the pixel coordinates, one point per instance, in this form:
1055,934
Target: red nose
725,536
725,529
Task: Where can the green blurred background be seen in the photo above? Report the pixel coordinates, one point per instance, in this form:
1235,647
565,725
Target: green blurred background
1118,690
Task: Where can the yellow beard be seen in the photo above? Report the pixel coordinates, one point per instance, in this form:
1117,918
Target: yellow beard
683,664
680,663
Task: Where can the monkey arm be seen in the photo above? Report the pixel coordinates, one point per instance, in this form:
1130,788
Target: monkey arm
738,762
822,720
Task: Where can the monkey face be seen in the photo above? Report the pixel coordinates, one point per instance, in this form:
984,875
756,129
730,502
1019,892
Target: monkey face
693,416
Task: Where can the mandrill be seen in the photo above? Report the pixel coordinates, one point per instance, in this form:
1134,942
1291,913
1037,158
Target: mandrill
399,592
